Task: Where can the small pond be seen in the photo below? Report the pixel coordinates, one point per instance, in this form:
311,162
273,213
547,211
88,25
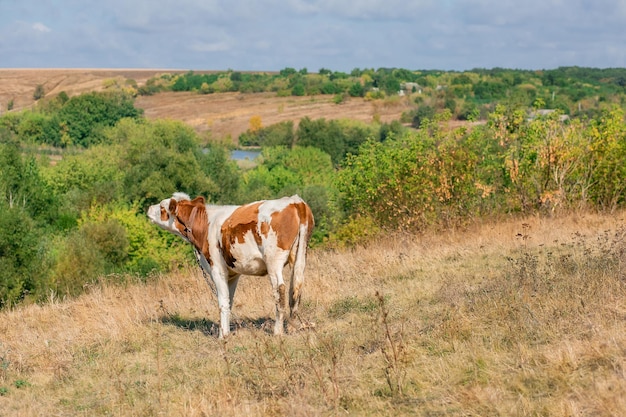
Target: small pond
242,155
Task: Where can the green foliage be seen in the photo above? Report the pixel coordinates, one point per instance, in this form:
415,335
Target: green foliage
78,263
423,178
390,130
336,138
356,230
287,72
21,184
606,160
21,259
569,89
37,127
422,114
158,159
388,182
113,238
32,127
323,135
132,243
222,171
279,134
489,90
192,81
147,162
39,92
80,180
298,90
83,117
284,171
356,90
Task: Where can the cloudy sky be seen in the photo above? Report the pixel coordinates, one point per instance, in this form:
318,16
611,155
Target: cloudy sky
339,35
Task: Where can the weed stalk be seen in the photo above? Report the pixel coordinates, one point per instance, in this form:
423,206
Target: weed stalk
393,350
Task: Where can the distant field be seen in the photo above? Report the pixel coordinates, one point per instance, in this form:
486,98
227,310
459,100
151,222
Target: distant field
226,114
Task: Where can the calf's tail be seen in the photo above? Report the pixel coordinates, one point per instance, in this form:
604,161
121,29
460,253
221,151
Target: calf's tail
299,264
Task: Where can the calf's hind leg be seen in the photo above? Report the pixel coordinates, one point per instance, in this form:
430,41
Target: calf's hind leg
275,274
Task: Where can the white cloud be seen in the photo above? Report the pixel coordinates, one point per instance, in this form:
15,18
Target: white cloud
362,9
219,46
339,35
40,27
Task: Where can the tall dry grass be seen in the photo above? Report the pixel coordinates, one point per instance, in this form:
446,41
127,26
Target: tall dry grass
515,318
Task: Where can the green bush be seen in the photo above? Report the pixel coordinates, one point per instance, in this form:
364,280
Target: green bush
21,256
279,134
419,179
355,231
83,117
421,114
131,241
298,90
111,239
22,185
158,159
78,263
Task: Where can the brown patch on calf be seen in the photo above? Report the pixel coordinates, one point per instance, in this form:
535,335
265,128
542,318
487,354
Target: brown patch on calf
265,229
306,217
235,228
172,206
285,223
194,226
282,302
164,215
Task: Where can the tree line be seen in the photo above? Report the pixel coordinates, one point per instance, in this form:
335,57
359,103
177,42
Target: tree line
468,94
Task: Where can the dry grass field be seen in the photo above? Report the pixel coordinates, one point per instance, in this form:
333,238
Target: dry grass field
519,318
223,116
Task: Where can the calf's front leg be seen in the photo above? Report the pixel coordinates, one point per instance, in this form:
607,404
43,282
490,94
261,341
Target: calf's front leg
223,301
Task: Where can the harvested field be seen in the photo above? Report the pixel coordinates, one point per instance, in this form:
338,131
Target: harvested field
222,115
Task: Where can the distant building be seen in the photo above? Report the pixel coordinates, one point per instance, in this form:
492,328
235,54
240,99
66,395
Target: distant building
409,88
546,112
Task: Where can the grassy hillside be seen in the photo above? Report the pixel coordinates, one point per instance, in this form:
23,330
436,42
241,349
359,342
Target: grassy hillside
516,318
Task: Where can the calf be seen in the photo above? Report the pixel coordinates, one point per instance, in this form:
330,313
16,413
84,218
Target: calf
259,238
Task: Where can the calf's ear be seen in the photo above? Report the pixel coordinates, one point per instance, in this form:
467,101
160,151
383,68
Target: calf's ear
198,200
172,207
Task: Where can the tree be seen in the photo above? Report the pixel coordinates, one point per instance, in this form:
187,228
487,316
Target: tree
84,116
422,113
279,134
255,123
39,92
222,171
298,90
21,260
22,186
287,72
356,90
327,136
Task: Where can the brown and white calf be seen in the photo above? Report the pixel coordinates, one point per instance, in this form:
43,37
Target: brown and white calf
258,238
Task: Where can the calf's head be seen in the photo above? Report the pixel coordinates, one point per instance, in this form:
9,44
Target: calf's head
180,215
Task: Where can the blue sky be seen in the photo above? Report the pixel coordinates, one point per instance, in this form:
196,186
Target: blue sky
313,34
